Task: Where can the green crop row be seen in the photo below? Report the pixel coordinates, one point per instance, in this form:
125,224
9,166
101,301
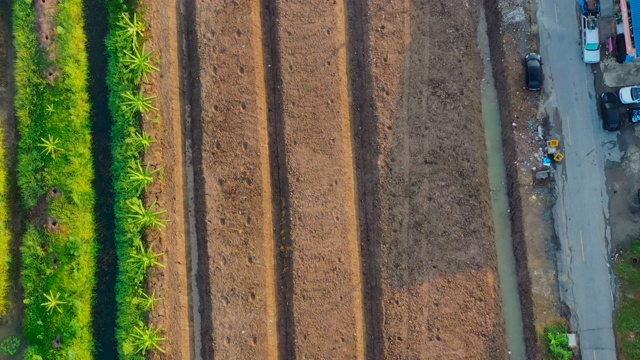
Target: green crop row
55,175
130,63
5,235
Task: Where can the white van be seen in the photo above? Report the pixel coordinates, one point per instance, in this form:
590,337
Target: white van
590,40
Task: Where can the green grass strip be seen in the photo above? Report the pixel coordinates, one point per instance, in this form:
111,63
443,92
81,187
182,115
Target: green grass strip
128,67
58,265
627,314
5,235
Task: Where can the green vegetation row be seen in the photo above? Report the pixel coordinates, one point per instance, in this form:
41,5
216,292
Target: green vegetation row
5,235
129,66
558,342
627,313
55,175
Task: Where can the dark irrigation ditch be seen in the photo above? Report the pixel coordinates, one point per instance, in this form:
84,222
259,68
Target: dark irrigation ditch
104,310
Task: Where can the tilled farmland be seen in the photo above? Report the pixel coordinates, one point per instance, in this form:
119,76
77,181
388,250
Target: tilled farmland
340,181
313,181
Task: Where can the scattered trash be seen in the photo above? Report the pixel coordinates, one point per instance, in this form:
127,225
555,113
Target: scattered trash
542,175
558,157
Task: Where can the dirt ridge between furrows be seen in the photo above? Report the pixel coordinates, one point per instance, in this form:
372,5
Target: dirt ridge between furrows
498,56
171,283
313,81
234,202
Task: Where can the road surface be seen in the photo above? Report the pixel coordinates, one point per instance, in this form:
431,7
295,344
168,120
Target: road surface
581,211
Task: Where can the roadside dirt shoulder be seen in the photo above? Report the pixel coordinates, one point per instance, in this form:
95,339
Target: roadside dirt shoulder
512,35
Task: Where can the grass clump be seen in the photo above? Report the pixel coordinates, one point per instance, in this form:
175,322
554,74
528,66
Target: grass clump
627,313
54,151
130,65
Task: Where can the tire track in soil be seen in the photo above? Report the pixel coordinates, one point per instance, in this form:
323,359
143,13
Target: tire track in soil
320,270
234,204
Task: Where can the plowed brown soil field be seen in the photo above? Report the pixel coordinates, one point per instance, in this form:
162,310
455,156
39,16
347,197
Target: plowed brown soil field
340,187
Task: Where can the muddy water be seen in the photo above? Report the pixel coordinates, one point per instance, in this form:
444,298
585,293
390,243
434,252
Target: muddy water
104,311
500,202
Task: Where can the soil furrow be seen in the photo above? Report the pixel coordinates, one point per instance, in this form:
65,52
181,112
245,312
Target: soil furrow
367,138
235,218
313,90
281,198
171,282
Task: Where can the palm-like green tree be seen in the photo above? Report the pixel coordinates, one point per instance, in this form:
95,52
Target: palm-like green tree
139,63
147,301
53,301
142,260
139,178
142,217
50,146
145,338
141,141
137,102
131,28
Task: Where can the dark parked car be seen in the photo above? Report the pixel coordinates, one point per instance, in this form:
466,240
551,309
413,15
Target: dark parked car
610,112
533,70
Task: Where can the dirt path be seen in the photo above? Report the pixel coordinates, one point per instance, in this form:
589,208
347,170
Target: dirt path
423,183
171,282
233,187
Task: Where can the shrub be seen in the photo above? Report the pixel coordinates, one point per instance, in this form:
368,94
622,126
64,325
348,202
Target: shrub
558,342
54,150
10,345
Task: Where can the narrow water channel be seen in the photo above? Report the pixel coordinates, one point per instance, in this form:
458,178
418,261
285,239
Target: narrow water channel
104,313
500,202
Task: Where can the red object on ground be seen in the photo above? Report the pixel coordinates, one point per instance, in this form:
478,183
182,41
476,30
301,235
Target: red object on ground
610,44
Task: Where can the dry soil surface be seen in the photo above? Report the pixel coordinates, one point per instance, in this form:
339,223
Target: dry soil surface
342,201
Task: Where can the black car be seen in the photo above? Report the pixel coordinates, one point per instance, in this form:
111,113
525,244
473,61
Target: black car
610,113
533,70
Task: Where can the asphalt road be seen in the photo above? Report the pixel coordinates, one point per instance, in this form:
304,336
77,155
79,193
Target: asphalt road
581,211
